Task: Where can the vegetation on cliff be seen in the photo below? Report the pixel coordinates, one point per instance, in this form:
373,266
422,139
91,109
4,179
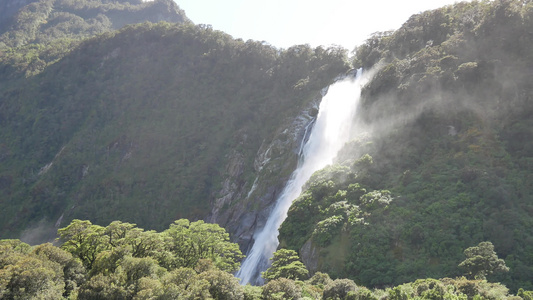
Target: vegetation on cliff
144,123
446,160
140,124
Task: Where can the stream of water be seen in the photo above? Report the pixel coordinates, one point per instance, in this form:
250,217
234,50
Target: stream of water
329,133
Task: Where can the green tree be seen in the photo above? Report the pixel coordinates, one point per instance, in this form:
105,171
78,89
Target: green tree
103,287
339,289
252,292
184,283
135,268
286,264
482,260
83,240
192,241
223,285
320,279
526,295
29,277
46,272
281,288
74,273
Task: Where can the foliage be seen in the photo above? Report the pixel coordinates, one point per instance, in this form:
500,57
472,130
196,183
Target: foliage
281,288
223,285
184,245
526,295
447,113
98,133
339,289
49,272
43,32
121,261
320,279
481,260
83,240
192,241
91,136
286,264
252,292
44,272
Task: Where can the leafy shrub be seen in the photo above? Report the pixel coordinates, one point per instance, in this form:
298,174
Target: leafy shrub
286,264
320,279
339,289
326,229
526,295
223,285
281,288
252,292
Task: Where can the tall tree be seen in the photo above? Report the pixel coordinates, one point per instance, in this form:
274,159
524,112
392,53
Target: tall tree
481,261
83,240
286,264
192,241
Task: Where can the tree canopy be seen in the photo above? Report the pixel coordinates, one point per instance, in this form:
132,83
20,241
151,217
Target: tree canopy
482,260
286,264
159,271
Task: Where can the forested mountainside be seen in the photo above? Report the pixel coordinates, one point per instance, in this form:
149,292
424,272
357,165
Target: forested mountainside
36,21
446,161
155,122
35,33
150,123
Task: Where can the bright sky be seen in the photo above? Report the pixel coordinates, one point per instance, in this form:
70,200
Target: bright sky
284,23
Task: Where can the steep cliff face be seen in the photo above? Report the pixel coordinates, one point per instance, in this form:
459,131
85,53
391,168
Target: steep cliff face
243,204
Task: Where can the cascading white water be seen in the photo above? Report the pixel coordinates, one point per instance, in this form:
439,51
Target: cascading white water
330,132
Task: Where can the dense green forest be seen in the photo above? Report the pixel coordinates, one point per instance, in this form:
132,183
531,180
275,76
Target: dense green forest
194,260
140,124
108,114
44,31
442,160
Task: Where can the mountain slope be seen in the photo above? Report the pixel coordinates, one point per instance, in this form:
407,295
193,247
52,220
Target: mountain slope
447,117
144,124
42,21
34,34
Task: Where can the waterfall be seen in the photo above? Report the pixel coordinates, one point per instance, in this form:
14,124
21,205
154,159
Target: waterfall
329,133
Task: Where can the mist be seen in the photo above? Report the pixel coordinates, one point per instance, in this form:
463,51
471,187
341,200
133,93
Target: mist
41,232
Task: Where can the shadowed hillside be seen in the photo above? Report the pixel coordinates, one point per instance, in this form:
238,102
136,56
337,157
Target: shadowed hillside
149,123
140,124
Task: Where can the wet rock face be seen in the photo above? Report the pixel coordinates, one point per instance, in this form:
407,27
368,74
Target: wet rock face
243,206
231,188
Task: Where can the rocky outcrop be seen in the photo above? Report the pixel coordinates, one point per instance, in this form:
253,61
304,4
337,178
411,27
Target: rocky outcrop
231,189
309,254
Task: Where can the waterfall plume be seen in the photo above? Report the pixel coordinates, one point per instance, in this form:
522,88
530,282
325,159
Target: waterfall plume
329,133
